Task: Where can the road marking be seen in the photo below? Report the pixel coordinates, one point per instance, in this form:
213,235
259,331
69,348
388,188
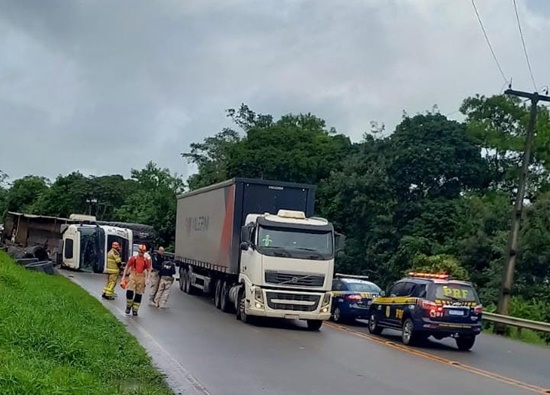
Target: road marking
160,354
444,361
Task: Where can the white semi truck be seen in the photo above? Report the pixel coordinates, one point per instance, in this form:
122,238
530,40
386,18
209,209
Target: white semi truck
256,246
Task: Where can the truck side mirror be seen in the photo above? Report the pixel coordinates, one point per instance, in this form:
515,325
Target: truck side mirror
382,293
340,241
244,246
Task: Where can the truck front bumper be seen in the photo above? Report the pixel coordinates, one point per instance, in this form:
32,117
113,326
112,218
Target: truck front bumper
288,304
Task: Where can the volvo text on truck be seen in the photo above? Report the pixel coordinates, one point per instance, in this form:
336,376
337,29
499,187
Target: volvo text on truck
256,246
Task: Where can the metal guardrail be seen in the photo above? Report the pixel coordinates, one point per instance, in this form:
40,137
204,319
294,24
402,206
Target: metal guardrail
517,322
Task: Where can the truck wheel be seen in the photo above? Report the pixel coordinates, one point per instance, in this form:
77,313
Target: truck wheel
182,279
241,311
314,325
465,343
225,306
217,294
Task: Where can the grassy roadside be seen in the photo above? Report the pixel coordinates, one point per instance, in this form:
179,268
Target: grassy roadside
57,339
524,336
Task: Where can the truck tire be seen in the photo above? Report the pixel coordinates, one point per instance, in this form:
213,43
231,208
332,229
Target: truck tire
182,279
241,315
225,306
42,266
217,294
314,325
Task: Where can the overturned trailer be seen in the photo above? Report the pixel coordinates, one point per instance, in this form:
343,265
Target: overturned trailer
79,242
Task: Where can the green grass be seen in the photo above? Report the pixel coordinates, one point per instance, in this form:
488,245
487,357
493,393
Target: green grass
57,339
525,336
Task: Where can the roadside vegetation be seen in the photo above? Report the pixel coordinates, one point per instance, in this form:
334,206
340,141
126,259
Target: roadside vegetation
433,192
57,339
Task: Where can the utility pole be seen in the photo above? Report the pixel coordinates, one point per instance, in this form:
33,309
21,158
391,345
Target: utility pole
510,264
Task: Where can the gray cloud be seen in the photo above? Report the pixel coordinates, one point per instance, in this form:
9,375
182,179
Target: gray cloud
105,86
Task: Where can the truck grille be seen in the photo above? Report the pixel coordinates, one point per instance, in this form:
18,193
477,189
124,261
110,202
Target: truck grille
292,302
294,279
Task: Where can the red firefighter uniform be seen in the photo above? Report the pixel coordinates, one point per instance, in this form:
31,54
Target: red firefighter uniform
139,268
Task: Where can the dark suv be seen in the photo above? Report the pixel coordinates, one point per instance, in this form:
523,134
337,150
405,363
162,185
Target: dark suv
424,305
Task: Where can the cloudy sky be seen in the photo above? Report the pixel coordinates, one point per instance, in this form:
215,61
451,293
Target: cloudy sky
104,86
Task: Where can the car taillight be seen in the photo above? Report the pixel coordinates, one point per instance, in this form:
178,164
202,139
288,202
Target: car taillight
478,309
431,307
353,297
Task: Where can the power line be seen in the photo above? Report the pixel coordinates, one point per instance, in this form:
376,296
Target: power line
524,46
489,42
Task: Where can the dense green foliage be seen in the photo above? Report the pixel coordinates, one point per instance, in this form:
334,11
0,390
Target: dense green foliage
435,194
41,355
148,197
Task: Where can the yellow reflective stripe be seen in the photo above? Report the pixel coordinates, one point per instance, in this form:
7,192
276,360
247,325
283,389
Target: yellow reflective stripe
395,300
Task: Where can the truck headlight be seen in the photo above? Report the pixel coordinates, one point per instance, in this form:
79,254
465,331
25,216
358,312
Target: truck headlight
325,305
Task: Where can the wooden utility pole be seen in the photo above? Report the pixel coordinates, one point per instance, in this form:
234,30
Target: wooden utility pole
510,264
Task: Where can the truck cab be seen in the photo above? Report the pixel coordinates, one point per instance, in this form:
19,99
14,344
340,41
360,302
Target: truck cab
286,267
85,246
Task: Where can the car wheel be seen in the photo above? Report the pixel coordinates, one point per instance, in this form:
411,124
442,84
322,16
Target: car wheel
374,328
337,315
408,335
465,343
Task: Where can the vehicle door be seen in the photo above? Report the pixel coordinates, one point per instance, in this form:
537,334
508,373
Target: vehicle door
387,304
401,302
71,248
338,292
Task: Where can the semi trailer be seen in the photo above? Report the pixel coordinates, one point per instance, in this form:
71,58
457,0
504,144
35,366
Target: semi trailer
256,246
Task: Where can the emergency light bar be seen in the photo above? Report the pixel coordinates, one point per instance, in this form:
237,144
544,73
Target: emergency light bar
441,276
338,275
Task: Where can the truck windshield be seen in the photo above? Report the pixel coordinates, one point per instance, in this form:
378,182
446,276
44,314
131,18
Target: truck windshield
296,243
90,248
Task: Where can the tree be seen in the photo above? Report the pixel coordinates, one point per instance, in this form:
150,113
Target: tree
3,193
432,157
498,125
153,202
295,148
25,193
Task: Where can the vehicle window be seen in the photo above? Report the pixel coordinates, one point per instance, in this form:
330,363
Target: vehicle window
419,291
337,285
69,247
396,289
407,289
296,239
460,292
363,287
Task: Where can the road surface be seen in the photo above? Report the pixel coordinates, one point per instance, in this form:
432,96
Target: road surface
216,354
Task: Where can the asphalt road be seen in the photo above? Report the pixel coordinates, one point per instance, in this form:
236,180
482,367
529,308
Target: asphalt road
219,355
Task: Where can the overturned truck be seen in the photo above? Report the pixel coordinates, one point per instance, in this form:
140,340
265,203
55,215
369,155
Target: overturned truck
78,242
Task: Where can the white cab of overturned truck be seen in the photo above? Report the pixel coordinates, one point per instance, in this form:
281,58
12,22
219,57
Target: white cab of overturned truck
286,260
85,246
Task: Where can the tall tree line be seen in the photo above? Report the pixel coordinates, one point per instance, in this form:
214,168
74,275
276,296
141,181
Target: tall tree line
435,194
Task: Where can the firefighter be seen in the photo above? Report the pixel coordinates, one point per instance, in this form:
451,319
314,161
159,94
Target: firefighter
113,270
139,270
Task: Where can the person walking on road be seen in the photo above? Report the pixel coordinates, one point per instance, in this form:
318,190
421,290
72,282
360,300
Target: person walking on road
139,270
113,270
158,260
166,279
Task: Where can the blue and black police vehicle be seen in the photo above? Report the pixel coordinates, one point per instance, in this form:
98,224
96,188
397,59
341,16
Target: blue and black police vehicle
424,304
352,296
